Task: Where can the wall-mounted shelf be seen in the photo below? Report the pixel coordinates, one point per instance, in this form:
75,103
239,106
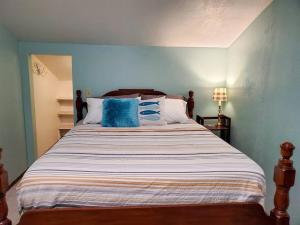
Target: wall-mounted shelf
64,99
66,126
65,113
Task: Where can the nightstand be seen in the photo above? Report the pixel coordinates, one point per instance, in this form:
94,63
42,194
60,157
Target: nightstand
224,130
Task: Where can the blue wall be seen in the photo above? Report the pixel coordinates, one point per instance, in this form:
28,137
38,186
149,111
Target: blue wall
12,135
104,68
264,81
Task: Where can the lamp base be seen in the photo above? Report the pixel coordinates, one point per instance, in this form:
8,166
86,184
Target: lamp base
219,123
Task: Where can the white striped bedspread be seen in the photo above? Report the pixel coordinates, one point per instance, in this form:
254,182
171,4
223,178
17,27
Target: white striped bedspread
162,165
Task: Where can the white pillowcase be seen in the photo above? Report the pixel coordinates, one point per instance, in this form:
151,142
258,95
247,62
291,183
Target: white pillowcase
151,111
94,114
175,111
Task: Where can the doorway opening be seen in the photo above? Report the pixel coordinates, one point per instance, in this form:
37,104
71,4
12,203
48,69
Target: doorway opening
52,99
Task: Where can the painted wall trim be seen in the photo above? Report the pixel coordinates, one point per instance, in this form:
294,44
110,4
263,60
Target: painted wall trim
24,59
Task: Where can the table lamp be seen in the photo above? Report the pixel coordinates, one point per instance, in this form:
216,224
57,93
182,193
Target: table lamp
220,96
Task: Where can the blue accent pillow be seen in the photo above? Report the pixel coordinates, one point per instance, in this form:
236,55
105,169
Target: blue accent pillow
120,112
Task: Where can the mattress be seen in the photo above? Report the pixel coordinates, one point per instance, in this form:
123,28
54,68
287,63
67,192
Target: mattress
176,164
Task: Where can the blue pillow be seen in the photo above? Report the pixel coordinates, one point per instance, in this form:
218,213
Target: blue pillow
120,112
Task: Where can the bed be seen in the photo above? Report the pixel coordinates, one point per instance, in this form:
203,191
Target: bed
152,165
172,174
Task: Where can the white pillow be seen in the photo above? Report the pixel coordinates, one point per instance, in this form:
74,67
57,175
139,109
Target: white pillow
151,111
175,111
94,114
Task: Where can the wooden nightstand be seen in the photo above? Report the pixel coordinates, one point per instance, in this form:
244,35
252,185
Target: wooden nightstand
224,129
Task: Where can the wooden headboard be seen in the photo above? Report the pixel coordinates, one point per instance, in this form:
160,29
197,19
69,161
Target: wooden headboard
80,104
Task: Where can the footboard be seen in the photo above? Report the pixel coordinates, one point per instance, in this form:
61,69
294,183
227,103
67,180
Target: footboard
212,214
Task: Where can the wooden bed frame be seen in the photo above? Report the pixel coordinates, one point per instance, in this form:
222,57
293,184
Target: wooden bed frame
211,214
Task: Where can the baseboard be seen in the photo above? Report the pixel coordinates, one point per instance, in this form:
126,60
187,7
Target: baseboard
15,181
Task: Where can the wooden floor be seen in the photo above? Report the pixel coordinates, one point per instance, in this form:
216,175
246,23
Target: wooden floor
13,213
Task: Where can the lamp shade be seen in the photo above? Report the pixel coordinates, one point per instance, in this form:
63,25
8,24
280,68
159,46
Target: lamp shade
220,95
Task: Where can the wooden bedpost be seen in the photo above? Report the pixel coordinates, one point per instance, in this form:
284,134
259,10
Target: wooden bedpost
3,188
284,177
79,106
190,104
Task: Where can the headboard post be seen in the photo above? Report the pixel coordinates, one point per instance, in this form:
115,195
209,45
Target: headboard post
190,104
79,106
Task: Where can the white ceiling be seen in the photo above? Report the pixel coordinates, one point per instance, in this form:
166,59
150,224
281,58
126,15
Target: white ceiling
184,23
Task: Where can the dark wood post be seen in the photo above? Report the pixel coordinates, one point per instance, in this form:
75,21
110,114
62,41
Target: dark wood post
3,188
190,104
79,106
284,177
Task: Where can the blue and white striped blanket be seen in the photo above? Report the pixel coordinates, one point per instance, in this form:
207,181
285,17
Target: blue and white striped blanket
157,165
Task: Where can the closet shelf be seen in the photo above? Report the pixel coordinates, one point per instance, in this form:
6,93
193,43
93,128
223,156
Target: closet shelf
64,99
66,126
65,113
